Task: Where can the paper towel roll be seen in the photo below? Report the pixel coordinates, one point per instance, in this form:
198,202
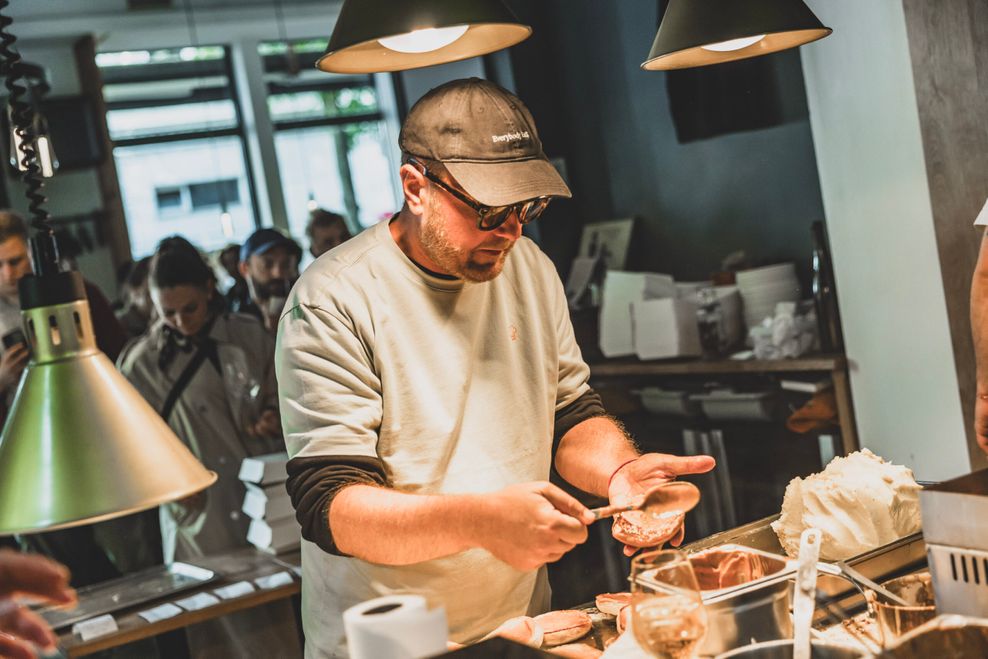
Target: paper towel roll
395,627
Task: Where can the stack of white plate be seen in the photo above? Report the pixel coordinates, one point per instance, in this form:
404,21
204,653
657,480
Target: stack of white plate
762,288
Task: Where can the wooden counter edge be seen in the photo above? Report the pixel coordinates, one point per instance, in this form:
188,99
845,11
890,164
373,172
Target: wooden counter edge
634,367
74,647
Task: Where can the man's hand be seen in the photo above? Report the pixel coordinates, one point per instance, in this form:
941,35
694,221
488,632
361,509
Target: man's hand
21,630
637,477
981,422
12,364
531,524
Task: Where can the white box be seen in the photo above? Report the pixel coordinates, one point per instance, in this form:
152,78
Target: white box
730,309
665,328
278,536
621,290
264,469
271,502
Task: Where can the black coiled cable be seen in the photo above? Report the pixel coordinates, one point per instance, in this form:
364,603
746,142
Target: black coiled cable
43,248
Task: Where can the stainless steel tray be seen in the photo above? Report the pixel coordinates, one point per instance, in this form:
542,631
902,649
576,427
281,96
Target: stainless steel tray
769,568
129,591
903,556
944,637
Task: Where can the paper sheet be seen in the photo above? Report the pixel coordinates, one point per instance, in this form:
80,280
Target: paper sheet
198,601
580,275
275,580
234,590
162,612
95,627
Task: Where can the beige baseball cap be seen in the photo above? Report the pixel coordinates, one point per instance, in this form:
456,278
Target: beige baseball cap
486,139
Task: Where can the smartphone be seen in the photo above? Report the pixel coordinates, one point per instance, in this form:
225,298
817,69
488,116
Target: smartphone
13,337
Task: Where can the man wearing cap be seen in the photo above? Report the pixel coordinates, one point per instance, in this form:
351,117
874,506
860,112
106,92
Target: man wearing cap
269,263
429,379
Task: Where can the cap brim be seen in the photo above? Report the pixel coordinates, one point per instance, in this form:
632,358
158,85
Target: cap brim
505,183
285,242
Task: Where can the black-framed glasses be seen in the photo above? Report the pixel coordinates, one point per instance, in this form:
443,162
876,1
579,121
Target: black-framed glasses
491,217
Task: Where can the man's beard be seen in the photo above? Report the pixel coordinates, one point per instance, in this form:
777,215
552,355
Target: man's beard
271,296
442,252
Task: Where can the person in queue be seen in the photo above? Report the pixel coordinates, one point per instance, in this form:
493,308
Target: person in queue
14,265
979,331
22,631
269,263
110,334
237,296
325,230
93,552
210,374
429,379
137,312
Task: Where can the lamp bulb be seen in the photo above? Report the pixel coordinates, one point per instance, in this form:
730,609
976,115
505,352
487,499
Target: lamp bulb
44,157
733,44
226,224
424,40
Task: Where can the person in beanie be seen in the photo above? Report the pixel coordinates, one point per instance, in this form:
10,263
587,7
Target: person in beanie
429,379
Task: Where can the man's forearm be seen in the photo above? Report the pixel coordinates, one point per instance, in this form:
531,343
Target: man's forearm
591,451
387,527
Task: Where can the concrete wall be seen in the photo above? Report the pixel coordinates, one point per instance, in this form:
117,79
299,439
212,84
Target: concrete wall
869,150
695,203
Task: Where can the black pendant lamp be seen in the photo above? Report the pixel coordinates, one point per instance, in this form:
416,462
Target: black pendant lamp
389,35
701,32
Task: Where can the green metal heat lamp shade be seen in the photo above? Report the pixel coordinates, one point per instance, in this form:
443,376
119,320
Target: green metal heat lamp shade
486,25
689,25
80,444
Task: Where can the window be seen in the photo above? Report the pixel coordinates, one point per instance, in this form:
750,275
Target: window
169,199
213,193
178,146
330,138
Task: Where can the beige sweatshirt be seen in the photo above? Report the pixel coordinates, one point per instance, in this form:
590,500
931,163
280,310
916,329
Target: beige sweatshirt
453,385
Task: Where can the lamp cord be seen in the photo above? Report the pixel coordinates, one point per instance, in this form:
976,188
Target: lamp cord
44,252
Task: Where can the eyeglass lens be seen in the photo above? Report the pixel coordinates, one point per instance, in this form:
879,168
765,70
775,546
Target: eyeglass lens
528,211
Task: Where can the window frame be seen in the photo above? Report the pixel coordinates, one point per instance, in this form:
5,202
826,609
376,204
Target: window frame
239,130
378,116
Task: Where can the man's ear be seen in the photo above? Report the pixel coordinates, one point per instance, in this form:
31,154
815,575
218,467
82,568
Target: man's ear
413,184
242,268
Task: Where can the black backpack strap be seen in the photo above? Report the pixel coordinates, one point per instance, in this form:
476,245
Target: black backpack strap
183,381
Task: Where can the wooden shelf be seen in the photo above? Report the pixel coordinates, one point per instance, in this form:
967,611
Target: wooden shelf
634,367
835,364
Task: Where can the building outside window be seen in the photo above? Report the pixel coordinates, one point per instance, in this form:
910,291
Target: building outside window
178,146
330,137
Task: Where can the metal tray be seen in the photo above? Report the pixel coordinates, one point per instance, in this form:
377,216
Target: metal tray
764,568
129,591
956,637
903,556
